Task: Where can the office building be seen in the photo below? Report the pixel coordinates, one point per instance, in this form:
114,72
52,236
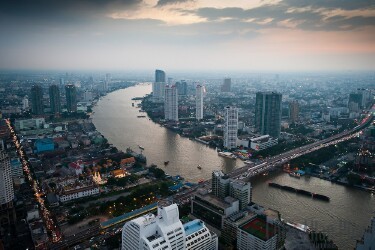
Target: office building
366,97
6,185
293,111
159,76
171,103
165,231
199,102
182,87
268,113
227,85
62,82
212,209
230,127
158,87
7,212
242,191
25,103
222,186
256,233
87,96
54,99
37,100
263,142
71,98
232,223
27,124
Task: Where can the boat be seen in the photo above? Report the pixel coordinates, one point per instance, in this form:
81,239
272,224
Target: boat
295,175
227,154
321,197
132,104
141,147
199,167
166,162
141,116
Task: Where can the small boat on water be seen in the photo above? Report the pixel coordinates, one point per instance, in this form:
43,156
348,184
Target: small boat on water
295,175
132,104
199,167
141,116
166,162
227,154
141,147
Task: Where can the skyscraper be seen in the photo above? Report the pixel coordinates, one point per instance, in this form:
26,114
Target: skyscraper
37,100
181,87
54,98
268,113
165,231
62,82
230,127
25,103
71,98
227,84
158,87
199,102
7,212
159,76
6,185
293,111
171,103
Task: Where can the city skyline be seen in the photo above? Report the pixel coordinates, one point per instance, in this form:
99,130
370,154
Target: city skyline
282,35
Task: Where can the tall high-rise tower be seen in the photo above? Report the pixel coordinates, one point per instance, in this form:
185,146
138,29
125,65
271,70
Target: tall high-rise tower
7,213
159,75
54,98
158,87
293,111
6,184
37,100
268,113
230,127
199,102
71,98
171,103
227,85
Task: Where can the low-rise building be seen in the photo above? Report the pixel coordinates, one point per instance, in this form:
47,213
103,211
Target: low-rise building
262,142
212,209
256,233
79,192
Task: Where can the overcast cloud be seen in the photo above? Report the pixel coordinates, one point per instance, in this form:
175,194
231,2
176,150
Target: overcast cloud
188,34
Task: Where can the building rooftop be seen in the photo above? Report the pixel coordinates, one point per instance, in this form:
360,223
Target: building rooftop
259,227
193,226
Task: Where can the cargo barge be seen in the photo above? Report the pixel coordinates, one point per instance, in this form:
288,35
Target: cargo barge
299,191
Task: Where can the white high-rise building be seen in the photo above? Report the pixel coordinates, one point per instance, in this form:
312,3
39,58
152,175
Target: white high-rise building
230,127
158,89
6,184
171,103
25,103
199,102
165,231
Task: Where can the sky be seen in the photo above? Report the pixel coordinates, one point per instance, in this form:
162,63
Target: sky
220,35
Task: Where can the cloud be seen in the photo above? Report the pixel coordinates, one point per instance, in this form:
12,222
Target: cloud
171,2
66,11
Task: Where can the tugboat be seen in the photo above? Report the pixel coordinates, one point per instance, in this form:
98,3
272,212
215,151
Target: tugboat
166,163
199,167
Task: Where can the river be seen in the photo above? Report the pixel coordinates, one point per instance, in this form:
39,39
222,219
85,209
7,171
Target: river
344,218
